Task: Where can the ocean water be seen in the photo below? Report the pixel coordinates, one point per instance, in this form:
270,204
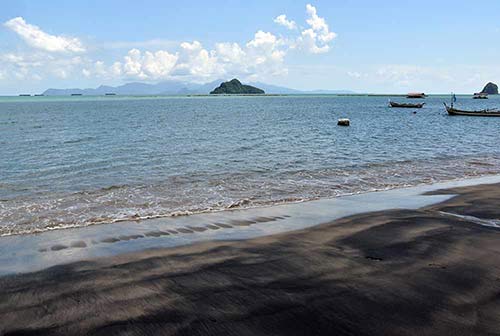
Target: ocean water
77,161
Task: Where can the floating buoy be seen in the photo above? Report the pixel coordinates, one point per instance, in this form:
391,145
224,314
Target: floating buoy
344,122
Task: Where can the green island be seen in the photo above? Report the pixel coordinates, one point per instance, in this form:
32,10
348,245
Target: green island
234,86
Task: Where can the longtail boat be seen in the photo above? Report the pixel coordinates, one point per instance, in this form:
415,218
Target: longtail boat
406,105
481,113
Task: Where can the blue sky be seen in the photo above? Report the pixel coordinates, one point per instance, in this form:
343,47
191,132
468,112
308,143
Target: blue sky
365,46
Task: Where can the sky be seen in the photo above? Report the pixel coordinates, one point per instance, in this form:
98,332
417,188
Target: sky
363,46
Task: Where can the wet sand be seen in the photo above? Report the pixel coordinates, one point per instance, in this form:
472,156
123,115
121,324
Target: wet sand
399,272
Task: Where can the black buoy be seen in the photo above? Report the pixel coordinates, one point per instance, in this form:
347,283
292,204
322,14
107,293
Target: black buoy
344,122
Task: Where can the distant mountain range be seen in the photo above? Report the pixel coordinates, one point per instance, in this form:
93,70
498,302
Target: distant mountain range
176,88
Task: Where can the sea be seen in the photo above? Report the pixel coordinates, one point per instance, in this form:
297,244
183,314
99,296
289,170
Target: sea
70,162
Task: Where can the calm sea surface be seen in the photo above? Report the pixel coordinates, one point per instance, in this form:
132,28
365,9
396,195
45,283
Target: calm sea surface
77,161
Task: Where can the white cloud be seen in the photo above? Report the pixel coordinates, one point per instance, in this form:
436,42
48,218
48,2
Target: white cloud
262,40
136,64
64,68
265,52
54,56
315,39
196,61
100,68
230,53
283,21
33,65
20,66
159,63
116,69
263,56
150,65
317,23
308,41
39,39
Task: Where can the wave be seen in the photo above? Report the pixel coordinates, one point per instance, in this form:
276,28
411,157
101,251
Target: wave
237,205
185,195
75,141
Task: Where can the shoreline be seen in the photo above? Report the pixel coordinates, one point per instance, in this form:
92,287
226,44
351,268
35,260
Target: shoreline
418,270
35,252
239,207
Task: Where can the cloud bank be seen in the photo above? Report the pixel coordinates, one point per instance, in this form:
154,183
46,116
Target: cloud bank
260,57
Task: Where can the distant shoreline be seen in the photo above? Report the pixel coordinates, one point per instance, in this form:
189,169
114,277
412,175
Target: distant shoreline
239,95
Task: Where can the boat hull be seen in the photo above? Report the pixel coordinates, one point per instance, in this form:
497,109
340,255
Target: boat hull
399,105
484,113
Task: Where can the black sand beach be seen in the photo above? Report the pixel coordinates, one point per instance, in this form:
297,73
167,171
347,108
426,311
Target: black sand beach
399,272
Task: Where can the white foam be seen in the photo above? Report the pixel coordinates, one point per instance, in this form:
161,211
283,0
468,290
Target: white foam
21,253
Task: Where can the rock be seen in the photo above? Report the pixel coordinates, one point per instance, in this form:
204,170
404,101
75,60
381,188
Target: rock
490,88
344,122
235,87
